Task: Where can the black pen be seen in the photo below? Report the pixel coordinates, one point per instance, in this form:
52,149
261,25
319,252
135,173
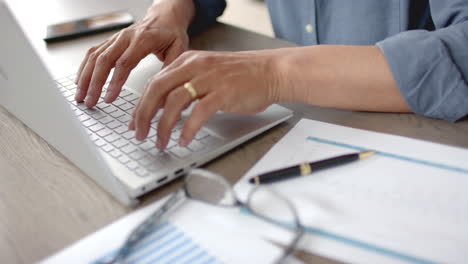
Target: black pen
306,168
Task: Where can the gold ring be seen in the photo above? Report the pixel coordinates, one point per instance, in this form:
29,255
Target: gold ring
189,87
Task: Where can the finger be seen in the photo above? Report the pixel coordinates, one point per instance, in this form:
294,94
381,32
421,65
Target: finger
83,62
154,97
87,72
202,111
176,102
104,64
124,65
173,52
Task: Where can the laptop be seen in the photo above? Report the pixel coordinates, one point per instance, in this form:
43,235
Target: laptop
97,140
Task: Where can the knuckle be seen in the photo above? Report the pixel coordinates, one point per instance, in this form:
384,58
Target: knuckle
172,98
103,59
125,32
123,62
142,116
93,56
91,50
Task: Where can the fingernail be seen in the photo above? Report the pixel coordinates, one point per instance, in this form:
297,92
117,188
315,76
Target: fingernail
159,144
88,100
78,93
131,125
182,142
108,96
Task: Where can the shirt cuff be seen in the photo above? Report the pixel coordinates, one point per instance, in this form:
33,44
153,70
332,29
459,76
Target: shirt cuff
207,11
428,77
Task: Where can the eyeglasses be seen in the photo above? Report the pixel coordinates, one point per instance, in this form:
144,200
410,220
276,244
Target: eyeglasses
211,188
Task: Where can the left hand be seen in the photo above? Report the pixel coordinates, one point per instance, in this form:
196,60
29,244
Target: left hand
235,82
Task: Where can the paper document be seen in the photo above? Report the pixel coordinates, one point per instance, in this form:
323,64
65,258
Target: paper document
408,203
190,236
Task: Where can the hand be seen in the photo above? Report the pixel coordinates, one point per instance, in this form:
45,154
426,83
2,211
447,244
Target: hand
237,82
163,32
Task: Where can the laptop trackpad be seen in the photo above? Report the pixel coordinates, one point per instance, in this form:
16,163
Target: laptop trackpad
231,126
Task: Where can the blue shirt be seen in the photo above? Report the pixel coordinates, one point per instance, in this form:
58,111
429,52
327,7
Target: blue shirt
425,42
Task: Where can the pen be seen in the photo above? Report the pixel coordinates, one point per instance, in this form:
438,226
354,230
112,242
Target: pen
306,168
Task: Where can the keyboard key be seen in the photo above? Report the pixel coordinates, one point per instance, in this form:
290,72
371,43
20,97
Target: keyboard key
120,143
117,113
124,93
131,97
142,172
81,106
132,165
93,137
115,153
99,114
95,128
102,105
127,106
67,93
125,118
100,142
135,101
112,137
136,142
70,98
89,123
123,159
145,161
147,145
137,154
128,149
152,132
180,152
107,148
83,117
113,124
171,144
110,109
154,152
104,132
121,129
176,134
119,102
129,134
106,120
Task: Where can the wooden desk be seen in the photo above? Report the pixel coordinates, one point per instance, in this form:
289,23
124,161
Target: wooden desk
47,203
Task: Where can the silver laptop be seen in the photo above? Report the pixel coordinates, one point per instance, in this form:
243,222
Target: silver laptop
97,140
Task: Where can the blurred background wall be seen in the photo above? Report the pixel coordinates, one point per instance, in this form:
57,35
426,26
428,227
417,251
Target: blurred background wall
248,14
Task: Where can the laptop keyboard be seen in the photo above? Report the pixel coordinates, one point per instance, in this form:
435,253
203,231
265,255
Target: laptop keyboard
107,126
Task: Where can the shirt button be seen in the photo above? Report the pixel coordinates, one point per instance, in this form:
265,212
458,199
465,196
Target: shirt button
309,28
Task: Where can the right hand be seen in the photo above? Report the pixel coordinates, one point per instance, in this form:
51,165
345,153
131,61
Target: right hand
162,32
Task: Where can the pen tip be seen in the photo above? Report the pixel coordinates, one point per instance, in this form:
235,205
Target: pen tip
251,180
366,154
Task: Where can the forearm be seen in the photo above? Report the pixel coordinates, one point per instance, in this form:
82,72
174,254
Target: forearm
344,77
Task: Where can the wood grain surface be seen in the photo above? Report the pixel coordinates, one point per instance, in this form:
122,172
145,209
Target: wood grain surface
47,203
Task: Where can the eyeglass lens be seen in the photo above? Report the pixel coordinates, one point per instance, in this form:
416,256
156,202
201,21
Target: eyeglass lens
208,187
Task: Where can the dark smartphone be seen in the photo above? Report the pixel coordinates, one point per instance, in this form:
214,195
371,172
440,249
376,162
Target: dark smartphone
87,26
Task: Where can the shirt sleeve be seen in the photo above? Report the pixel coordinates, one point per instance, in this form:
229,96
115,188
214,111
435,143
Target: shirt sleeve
206,13
431,67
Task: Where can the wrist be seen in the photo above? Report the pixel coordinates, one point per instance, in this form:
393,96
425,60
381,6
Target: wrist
179,12
286,78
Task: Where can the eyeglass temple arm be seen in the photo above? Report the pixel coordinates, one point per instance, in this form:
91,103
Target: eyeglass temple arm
292,246
146,226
